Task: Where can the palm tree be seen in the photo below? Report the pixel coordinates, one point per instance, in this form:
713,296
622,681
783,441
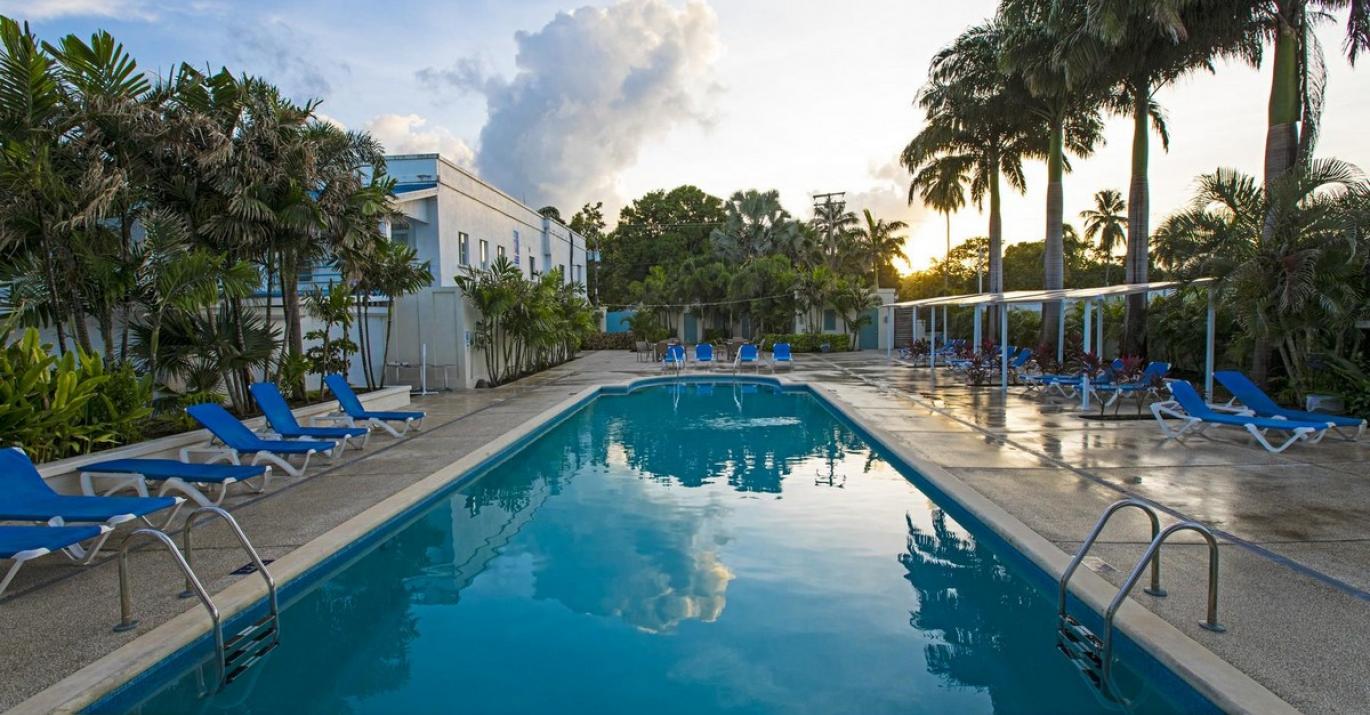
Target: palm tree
1298,75
1107,224
880,240
832,226
941,186
1140,46
1295,288
1037,31
975,120
755,224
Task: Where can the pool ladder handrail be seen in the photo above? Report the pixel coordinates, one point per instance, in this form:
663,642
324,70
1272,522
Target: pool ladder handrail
254,634
244,645
1152,557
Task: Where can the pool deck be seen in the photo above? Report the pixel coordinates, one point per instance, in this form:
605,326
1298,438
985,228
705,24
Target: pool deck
1295,558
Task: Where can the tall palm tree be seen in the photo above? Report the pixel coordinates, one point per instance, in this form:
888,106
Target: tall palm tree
1107,224
975,119
1037,31
1298,74
1141,46
940,184
881,241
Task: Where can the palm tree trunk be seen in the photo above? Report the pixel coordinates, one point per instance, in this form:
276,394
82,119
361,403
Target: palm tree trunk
996,239
1282,135
385,350
1136,269
1053,261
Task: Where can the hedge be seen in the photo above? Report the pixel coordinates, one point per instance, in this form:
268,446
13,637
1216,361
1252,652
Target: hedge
608,341
811,342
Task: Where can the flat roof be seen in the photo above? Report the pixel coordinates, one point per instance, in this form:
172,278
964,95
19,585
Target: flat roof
1049,296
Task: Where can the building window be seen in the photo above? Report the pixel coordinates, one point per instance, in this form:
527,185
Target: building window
532,267
829,319
565,277
499,250
484,253
464,249
399,233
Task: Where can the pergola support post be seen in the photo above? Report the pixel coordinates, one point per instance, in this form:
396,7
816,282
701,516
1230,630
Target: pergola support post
1003,349
1099,334
1061,333
932,342
1209,335
978,340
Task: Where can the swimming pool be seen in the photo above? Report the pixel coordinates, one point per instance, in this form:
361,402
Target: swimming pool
683,548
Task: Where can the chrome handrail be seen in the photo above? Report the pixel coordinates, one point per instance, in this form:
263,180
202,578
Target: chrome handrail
1153,553
1155,588
252,554
126,620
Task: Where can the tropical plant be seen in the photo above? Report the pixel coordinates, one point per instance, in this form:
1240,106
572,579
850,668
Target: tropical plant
48,404
1295,287
880,240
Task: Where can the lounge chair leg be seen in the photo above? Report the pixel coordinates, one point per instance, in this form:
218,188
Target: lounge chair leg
386,426
19,559
284,464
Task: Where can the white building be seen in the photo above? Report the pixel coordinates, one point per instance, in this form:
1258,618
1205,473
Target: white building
456,221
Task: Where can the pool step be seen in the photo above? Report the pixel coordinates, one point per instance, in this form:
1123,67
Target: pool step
250,645
1084,649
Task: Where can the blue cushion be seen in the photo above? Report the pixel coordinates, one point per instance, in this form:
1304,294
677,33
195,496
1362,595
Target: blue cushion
14,539
168,468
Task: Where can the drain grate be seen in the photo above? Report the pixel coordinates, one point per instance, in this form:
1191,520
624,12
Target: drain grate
249,567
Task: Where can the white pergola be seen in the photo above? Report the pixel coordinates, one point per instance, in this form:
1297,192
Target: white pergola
1093,336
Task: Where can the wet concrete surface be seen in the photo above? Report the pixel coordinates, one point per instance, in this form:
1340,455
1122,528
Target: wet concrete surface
1295,572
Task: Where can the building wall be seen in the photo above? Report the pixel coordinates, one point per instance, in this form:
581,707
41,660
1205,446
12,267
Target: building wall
457,203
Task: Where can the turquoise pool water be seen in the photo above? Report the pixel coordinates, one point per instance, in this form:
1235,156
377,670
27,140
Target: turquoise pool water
680,549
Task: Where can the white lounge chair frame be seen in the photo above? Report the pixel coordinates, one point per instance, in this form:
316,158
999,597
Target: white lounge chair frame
74,552
138,482
1197,426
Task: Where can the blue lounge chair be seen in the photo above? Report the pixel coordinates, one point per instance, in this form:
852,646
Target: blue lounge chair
182,476
746,355
283,421
781,355
1198,417
24,496
704,354
239,441
22,544
674,359
1254,400
352,410
1147,384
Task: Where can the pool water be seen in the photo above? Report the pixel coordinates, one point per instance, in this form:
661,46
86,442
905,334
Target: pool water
685,548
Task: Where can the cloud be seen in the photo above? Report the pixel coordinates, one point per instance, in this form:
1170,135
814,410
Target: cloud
270,49
49,9
887,198
410,134
591,88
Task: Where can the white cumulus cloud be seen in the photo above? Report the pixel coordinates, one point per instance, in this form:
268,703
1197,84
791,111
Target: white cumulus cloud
591,88
411,134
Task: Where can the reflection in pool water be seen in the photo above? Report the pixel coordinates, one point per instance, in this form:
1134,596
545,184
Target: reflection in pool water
677,550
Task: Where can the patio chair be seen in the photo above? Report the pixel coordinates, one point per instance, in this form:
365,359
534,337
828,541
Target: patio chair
283,423
25,496
643,350
239,441
781,355
1147,384
352,410
1199,417
182,476
1254,400
22,544
704,355
674,358
746,355
1018,363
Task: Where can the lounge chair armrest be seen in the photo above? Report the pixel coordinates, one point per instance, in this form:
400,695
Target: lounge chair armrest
331,419
1169,408
1232,409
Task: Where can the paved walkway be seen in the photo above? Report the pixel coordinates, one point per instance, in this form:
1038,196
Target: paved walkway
1295,568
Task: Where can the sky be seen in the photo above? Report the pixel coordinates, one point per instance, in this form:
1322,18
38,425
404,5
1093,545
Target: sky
562,103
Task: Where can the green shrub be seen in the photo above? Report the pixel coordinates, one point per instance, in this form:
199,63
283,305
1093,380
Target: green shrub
810,342
608,341
714,335
45,400
124,403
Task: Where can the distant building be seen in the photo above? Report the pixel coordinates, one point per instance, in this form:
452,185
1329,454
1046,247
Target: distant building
455,220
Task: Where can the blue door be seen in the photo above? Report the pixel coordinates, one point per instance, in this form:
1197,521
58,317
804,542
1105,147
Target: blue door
691,328
870,332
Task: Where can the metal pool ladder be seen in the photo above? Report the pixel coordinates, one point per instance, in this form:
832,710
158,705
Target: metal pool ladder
1093,655
235,655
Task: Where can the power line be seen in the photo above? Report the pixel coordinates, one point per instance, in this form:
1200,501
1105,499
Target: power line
701,304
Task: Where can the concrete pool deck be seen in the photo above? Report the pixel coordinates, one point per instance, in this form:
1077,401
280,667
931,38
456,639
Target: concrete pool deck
1294,579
